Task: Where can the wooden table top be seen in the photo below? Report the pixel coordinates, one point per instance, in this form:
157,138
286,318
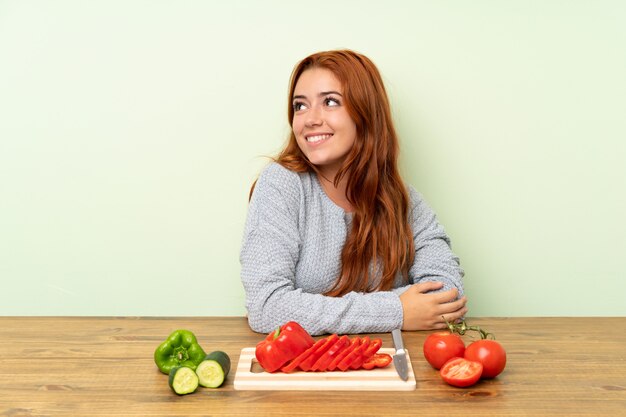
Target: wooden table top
103,366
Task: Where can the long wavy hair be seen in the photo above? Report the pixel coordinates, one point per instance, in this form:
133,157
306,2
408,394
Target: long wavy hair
380,241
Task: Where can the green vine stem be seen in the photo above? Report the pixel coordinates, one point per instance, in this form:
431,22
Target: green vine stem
462,327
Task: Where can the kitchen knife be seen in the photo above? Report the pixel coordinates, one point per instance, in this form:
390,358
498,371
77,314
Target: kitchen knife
399,359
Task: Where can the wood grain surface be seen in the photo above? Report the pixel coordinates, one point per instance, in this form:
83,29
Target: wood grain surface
102,366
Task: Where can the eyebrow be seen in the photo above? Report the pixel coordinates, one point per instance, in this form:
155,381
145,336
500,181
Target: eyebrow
322,94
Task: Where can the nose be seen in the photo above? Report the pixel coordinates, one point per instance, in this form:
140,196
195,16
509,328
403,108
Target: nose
313,117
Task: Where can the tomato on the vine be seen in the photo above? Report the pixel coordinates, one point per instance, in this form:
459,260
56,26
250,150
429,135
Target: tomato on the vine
440,347
490,354
461,372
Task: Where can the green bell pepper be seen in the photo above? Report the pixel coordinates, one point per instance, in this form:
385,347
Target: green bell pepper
180,349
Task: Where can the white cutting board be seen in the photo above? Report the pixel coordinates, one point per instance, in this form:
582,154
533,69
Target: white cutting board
379,379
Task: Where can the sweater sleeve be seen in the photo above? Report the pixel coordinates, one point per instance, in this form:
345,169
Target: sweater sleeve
269,255
434,259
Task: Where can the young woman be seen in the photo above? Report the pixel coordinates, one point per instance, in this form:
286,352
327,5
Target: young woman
334,239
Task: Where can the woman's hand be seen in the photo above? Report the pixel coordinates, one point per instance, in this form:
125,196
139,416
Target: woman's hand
424,311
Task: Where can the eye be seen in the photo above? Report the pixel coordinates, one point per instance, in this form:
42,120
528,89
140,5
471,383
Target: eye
331,102
298,105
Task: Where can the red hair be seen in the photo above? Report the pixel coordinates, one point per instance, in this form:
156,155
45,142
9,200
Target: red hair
380,242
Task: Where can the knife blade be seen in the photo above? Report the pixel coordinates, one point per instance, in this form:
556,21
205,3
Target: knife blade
399,359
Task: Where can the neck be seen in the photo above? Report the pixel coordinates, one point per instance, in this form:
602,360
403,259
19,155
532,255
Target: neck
336,193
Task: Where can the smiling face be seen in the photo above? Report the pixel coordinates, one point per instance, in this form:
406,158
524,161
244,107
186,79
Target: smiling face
321,124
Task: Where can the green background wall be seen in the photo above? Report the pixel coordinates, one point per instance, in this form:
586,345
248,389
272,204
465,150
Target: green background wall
130,132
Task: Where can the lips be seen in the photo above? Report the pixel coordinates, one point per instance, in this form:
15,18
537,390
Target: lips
316,138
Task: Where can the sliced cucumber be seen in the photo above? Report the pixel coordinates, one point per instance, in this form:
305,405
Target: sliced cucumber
183,380
213,370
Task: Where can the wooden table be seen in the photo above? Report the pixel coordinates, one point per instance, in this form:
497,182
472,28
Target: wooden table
77,366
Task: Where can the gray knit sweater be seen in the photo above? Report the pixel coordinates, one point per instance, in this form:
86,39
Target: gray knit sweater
291,255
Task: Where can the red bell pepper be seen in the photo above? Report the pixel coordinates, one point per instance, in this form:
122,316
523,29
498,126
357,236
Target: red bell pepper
324,360
356,364
306,364
378,360
282,345
354,354
339,357
294,363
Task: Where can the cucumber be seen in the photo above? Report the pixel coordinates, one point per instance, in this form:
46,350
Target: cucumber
212,371
183,380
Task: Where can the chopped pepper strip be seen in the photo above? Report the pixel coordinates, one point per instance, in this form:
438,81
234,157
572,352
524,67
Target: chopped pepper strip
322,363
365,342
310,361
379,360
333,365
355,353
372,348
291,366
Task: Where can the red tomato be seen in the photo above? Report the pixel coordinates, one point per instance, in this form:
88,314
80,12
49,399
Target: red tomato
460,372
440,347
490,354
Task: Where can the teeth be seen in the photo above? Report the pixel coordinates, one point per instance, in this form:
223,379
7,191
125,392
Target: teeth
317,138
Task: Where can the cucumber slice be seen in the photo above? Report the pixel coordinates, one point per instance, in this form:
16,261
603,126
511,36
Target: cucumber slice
212,371
183,380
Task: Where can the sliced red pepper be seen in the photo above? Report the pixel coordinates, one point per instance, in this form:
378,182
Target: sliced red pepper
282,345
356,364
379,360
372,348
322,363
291,366
306,364
344,364
343,354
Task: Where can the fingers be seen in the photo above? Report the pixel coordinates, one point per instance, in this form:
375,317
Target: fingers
452,306
441,297
451,314
424,308
427,286
447,296
454,316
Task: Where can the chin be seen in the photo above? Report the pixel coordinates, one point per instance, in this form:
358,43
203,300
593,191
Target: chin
318,159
